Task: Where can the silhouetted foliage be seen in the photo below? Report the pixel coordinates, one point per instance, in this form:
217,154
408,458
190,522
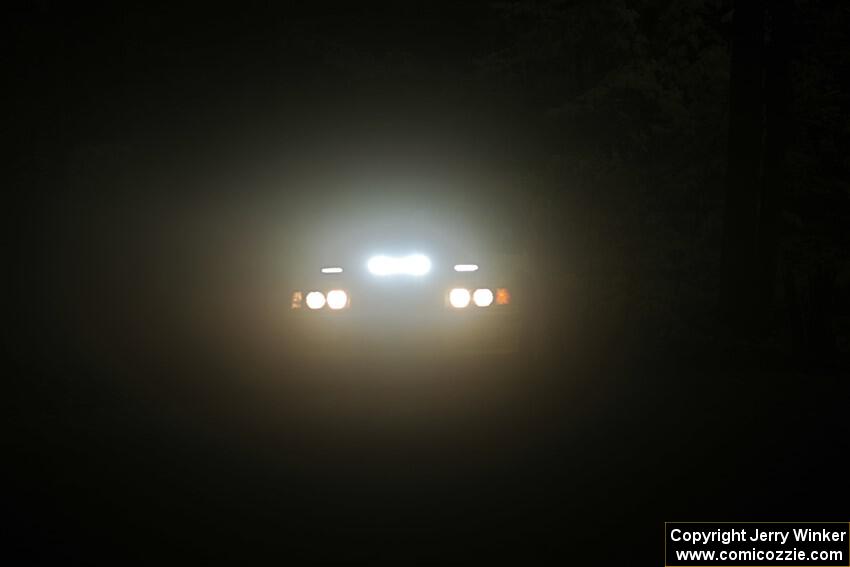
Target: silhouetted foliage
628,180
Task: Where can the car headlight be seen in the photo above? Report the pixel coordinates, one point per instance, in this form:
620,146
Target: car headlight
315,300
337,299
482,297
459,297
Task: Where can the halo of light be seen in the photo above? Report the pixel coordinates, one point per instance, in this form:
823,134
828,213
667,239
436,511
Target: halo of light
459,297
315,300
482,297
337,299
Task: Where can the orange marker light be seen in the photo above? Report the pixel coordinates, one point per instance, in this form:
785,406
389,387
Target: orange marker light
297,297
503,296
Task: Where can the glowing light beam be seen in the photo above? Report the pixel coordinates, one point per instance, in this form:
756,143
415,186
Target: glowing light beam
412,265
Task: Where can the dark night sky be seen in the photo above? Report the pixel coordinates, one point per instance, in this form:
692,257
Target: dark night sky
104,61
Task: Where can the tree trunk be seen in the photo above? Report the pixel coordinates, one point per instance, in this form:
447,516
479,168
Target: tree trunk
743,181
773,190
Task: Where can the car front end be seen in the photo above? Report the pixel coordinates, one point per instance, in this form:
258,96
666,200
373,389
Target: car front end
408,302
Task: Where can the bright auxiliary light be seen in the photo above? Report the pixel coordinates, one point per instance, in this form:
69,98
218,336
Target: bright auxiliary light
334,270
315,300
337,299
481,297
466,267
413,265
459,297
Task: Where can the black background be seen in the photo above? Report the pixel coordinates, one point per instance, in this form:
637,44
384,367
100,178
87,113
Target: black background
675,175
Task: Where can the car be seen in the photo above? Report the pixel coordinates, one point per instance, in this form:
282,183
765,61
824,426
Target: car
420,297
